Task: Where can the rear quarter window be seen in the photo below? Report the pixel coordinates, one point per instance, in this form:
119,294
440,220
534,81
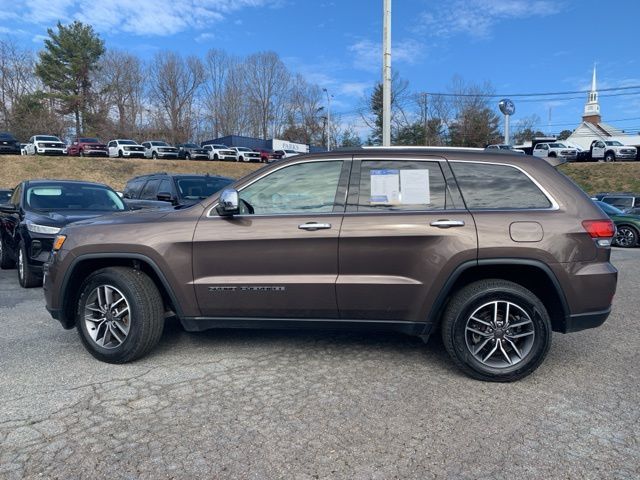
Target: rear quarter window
489,186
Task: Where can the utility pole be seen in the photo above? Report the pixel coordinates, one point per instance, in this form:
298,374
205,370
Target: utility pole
328,119
386,75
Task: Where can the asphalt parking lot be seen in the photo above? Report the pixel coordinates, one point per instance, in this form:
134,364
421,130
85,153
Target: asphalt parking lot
272,404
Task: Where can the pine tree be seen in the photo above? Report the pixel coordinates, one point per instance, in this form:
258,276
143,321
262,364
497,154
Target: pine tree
70,56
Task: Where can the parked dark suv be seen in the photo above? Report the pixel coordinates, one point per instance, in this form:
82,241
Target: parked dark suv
170,189
35,213
493,250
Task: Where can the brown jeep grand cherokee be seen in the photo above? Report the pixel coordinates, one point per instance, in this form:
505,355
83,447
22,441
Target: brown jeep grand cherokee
496,250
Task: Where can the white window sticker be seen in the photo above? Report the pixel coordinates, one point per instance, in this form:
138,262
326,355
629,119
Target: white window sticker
414,187
385,187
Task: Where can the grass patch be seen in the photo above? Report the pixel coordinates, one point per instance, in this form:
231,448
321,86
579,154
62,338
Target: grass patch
605,177
111,171
592,177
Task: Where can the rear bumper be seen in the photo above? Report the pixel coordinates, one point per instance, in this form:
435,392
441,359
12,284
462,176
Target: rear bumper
583,321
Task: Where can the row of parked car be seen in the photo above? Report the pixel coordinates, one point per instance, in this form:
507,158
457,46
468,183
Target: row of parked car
126,148
33,213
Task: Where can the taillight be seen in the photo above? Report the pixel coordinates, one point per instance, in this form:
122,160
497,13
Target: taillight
599,228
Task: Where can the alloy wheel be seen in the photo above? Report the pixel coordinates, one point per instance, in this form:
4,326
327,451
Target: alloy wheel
499,334
625,237
107,316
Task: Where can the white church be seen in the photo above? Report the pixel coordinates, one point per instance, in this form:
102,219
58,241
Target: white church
592,127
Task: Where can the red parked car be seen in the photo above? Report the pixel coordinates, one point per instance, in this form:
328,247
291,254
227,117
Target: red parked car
265,155
87,146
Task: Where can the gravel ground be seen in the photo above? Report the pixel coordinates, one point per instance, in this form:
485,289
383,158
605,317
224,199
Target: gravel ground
272,404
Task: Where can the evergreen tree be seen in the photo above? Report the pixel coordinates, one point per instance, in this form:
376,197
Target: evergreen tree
66,64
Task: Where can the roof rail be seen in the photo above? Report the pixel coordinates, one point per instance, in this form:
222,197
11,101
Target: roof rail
421,147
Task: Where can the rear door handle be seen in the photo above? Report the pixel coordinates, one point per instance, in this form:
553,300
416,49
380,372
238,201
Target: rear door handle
447,223
311,226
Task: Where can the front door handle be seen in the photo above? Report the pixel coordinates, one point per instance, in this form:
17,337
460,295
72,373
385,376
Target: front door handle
312,226
447,223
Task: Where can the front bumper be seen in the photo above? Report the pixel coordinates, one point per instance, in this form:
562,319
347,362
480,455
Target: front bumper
51,151
626,156
126,153
96,153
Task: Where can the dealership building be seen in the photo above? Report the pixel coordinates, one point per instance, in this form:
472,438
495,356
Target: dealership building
261,144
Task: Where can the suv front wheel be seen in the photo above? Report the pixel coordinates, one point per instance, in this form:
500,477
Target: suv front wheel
119,315
496,330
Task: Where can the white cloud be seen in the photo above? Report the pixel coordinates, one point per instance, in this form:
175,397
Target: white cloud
477,18
354,89
368,54
141,17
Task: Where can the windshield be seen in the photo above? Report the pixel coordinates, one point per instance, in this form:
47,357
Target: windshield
127,142
556,145
6,136
88,140
244,149
43,138
291,151
614,143
159,144
220,146
197,188
609,209
190,145
57,197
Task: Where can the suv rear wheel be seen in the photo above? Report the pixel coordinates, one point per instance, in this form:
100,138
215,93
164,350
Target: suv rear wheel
496,330
119,315
626,237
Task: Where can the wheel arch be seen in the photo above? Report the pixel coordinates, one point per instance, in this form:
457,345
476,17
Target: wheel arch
531,274
83,266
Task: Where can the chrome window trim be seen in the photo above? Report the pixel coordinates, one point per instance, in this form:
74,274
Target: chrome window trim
552,200
311,160
554,204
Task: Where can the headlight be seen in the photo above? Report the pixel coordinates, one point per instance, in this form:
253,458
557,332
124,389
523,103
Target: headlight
35,228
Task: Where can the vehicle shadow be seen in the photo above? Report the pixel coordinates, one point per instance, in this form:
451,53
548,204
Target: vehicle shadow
394,345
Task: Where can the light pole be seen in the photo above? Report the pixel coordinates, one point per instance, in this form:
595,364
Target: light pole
328,118
386,74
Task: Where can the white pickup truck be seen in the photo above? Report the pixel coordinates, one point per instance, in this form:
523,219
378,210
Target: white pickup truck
612,150
555,149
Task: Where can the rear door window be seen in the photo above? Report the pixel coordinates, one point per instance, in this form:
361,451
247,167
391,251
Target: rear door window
402,185
150,190
132,190
490,186
621,202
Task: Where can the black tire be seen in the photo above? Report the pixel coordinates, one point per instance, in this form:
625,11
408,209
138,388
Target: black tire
120,154
145,319
215,156
471,300
626,236
609,157
6,262
553,155
187,156
26,276
82,153
154,155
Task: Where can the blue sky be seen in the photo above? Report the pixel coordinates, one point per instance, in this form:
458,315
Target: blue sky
520,46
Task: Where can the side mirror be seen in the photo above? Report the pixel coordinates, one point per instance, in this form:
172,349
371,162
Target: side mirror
164,197
8,208
229,203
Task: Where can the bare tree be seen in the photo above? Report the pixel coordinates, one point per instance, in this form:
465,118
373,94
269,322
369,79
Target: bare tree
16,78
122,85
174,83
305,115
267,86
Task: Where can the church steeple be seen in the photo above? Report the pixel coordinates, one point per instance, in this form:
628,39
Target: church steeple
592,107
